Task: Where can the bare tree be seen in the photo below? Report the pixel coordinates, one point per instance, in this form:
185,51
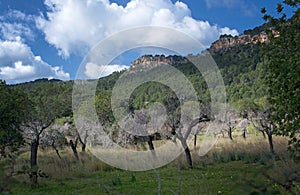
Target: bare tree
54,137
181,126
230,123
39,117
243,126
262,121
230,128
200,126
71,137
138,127
183,138
32,132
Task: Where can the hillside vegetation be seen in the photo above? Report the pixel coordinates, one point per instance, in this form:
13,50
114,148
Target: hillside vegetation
47,138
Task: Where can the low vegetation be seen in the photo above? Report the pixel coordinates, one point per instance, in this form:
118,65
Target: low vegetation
229,168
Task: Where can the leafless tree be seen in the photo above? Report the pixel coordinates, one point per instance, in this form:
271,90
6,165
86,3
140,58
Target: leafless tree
141,126
230,127
182,118
262,121
183,138
243,126
39,118
33,130
54,137
199,128
231,123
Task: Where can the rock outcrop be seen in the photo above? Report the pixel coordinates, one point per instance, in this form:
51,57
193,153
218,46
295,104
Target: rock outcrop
227,41
149,61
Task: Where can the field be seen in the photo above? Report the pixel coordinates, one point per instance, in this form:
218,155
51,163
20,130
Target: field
238,167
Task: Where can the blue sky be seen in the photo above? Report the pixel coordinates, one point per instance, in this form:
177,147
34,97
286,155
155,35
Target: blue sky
49,39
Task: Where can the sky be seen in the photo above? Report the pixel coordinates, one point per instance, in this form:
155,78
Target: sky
50,38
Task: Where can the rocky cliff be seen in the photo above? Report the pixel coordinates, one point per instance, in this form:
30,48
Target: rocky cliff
149,61
227,41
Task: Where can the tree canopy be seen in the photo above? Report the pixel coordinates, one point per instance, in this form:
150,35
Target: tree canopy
282,65
13,110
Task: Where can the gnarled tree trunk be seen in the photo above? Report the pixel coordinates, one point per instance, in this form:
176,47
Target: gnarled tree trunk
73,147
195,141
230,133
56,150
270,139
151,146
33,160
187,153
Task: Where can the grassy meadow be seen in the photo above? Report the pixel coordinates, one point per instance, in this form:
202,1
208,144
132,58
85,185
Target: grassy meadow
231,167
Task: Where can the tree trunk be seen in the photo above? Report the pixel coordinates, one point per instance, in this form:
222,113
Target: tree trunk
270,139
230,134
244,133
73,146
33,160
187,153
83,144
188,157
83,147
151,146
56,150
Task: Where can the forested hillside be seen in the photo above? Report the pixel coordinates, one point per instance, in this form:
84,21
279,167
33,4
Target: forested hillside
240,66
260,70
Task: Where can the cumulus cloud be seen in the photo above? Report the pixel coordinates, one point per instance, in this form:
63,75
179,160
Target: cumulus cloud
95,71
15,25
228,31
19,64
12,31
75,26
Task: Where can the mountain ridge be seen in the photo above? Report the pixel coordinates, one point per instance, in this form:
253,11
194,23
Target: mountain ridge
225,43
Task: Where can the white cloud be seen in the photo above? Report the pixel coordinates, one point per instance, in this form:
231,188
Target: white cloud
74,26
16,24
17,69
18,15
95,71
19,64
228,31
14,31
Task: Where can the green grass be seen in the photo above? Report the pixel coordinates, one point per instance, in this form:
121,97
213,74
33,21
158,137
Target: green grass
237,167
226,178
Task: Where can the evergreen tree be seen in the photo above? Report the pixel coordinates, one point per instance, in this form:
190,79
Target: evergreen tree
12,113
282,64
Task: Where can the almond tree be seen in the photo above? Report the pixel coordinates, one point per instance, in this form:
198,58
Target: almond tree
263,122
54,137
41,114
231,123
177,128
37,122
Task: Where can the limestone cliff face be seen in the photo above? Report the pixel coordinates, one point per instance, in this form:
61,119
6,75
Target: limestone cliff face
149,61
226,42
